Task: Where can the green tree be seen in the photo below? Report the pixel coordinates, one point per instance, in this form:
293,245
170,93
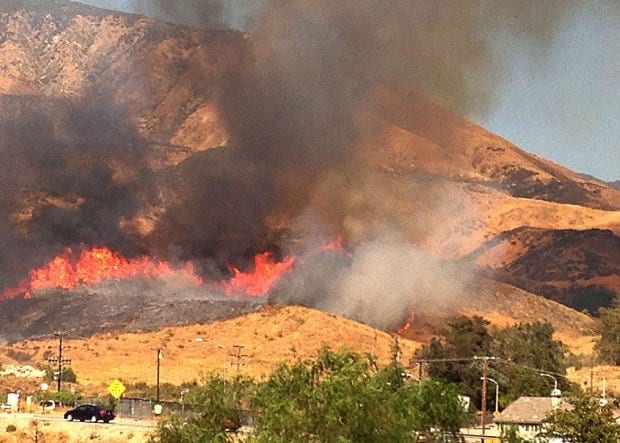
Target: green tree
337,397
585,421
464,338
525,350
340,397
217,408
608,346
68,374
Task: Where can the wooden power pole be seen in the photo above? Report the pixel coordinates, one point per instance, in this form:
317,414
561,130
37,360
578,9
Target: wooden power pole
59,360
485,373
238,356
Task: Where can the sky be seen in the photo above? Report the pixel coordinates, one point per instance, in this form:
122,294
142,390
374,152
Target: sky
563,103
566,106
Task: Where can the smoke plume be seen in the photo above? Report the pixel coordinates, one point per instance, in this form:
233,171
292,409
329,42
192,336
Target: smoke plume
299,111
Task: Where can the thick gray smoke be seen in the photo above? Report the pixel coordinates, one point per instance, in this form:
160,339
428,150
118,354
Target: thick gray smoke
299,112
93,169
380,282
299,109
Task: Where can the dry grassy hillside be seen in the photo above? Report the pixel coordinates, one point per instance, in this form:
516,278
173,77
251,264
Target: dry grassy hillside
158,73
273,335
268,337
422,135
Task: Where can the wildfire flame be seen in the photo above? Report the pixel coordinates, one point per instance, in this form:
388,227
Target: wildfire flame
70,270
334,245
404,328
260,279
66,271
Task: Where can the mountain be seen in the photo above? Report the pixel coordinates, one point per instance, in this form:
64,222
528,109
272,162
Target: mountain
577,268
122,131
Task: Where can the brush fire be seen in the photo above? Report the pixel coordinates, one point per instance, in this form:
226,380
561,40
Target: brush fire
243,220
70,270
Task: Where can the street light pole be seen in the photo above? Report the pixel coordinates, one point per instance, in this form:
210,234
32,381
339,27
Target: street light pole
555,391
496,393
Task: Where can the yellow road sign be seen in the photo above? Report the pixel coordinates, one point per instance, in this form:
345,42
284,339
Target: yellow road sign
116,388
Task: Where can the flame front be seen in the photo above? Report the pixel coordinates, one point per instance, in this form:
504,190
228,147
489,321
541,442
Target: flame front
260,279
95,265
70,270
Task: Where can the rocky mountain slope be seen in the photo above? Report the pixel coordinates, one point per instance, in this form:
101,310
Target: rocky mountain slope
126,101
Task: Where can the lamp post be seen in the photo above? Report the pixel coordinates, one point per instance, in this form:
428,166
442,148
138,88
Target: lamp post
496,393
556,391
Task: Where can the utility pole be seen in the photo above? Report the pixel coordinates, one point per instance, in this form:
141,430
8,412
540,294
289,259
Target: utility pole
159,357
59,360
238,355
485,372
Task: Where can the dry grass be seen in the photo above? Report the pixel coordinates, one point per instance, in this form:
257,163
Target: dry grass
268,338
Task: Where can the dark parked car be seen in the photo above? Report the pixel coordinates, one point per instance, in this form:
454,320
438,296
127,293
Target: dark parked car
91,413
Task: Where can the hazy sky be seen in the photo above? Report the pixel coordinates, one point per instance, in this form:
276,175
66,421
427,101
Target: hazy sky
563,105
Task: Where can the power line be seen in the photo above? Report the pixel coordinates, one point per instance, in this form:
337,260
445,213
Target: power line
531,368
475,358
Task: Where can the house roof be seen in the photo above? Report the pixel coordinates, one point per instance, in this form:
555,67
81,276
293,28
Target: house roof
530,410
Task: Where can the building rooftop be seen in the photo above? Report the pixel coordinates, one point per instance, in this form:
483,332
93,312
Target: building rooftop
530,410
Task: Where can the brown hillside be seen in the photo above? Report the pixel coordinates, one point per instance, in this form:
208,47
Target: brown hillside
169,80
448,184
269,337
424,136
577,268
273,335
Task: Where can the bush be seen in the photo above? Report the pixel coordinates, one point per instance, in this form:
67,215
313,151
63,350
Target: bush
68,374
11,428
585,422
218,407
341,396
64,397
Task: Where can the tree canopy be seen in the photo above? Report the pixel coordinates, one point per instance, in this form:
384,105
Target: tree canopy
608,347
585,421
337,397
521,353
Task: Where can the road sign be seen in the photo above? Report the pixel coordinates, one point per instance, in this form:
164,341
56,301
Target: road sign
116,388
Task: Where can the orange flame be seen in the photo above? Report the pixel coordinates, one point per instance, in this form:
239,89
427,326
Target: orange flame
69,270
334,245
259,281
404,328
93,266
